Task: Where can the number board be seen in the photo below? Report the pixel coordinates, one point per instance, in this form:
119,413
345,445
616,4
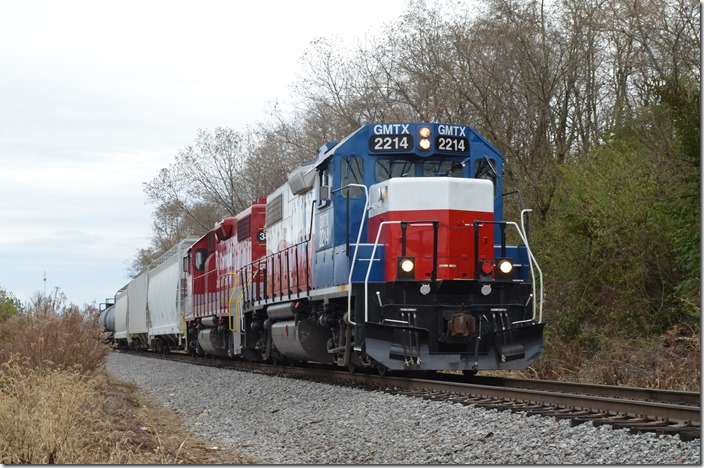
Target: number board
452,144
391,143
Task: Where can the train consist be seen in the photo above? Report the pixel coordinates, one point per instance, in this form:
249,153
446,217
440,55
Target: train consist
390,249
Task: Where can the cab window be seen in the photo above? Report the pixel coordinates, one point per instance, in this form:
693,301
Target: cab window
201,256
438,167
485,168
352,173
389,168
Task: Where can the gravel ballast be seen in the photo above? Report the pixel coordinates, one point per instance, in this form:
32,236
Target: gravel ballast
286,421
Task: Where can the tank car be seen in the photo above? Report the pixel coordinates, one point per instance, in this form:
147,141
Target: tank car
106,319
390,249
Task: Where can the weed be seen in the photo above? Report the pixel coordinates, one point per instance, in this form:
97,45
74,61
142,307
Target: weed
58,404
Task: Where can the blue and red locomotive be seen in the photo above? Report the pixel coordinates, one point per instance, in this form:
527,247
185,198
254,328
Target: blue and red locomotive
388,250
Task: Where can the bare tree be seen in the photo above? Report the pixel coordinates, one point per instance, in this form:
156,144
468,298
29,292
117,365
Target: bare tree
209,173
53,304
206,182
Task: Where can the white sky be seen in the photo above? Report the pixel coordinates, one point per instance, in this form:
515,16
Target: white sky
97,96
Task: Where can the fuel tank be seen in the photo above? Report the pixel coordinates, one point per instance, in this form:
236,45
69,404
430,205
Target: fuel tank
213,342
302,341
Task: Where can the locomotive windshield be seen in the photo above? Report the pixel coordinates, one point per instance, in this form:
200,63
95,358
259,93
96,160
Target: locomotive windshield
397,167
431,167
439,167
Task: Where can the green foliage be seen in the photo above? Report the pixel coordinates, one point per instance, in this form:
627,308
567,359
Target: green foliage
9,305
680,100
622,247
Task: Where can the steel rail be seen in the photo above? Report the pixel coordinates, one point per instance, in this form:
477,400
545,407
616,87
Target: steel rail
650,404
636,393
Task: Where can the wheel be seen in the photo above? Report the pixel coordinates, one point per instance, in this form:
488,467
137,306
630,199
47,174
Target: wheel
469,372
351,367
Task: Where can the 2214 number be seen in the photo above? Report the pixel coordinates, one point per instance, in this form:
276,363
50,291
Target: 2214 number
383,143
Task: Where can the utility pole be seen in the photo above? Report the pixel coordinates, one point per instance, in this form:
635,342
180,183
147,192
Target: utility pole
44,284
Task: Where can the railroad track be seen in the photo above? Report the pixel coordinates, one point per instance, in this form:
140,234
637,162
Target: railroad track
664,412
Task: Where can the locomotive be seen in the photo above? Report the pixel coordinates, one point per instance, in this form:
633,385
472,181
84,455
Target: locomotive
388,250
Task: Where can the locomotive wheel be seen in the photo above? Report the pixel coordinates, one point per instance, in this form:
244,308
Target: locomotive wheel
469,372
280,360
351,367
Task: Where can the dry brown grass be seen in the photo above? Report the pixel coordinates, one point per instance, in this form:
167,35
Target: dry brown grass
68,417
47,341
59,405
673,361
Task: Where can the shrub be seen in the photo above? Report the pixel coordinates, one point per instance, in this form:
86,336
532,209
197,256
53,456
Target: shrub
49,340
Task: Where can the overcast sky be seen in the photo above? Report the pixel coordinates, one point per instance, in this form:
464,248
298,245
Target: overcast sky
97,96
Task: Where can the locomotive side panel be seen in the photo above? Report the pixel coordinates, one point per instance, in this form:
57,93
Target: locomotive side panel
288,227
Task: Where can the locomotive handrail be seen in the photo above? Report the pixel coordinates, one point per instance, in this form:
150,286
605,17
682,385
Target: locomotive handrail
238,330
369,268
272,260
532,262
530,252
354,257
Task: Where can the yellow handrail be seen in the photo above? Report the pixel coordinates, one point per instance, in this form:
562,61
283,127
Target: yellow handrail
237,302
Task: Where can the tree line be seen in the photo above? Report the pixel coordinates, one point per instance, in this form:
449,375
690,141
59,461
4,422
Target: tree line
593,103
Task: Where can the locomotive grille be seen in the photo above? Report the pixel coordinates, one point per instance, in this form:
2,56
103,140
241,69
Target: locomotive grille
244,230
274,211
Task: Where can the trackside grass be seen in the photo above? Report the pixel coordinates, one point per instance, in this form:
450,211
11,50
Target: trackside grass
59,405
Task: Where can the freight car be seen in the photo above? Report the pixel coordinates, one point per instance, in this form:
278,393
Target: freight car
148,311
390,249
107,318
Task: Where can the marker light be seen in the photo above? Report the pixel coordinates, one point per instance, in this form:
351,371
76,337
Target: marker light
424,144
407,265
424,132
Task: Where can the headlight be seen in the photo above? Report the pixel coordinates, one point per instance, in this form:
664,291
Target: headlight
505,267
424,134
405,268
